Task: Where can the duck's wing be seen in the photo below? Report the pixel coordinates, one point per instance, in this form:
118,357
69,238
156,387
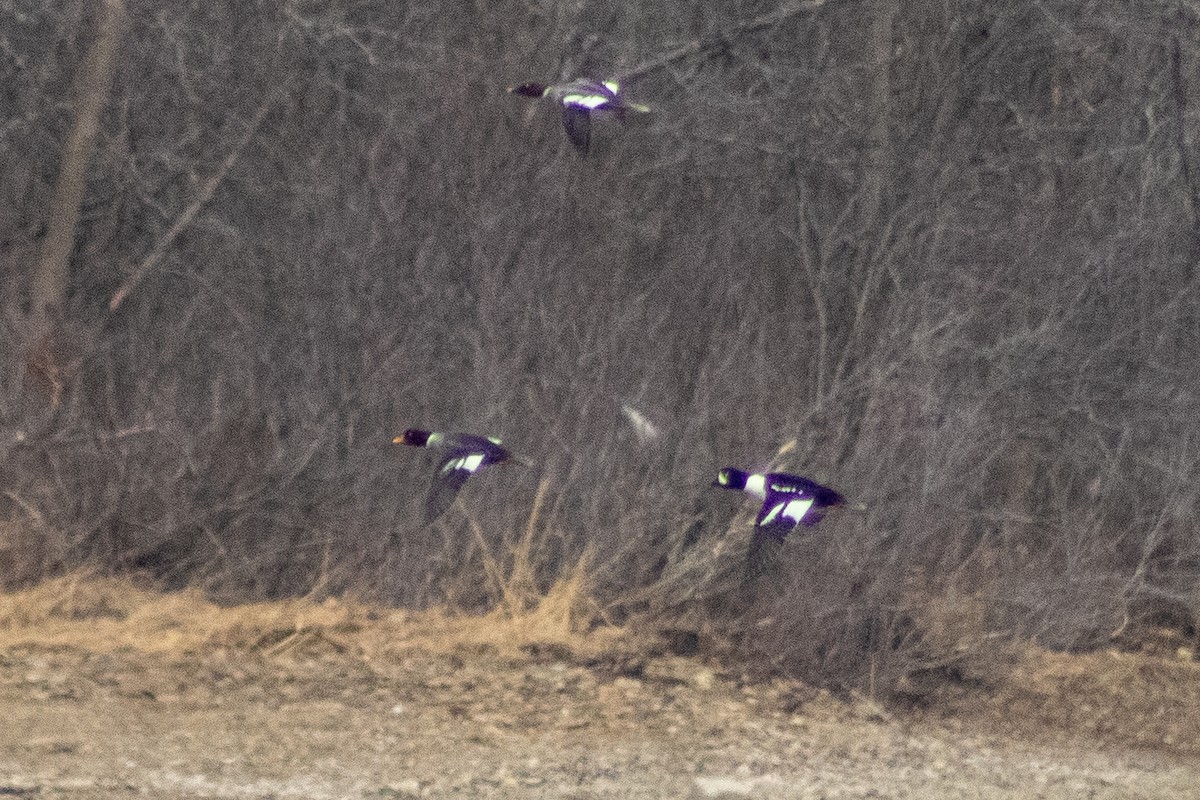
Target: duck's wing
452,473
578,123
763,555
785,510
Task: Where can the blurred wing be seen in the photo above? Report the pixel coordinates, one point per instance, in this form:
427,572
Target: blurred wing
452,473
643,427
578,122
764,554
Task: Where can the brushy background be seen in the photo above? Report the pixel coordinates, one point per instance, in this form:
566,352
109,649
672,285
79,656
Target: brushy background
942,257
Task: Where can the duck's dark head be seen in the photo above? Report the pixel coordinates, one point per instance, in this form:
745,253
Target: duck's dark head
529,90
730,478
413,437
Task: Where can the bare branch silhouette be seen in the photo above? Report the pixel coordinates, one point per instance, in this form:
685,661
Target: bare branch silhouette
203,197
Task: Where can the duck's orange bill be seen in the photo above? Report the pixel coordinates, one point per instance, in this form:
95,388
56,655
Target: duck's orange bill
398,440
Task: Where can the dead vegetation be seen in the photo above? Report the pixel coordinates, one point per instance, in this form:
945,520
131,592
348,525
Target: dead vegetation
1116,697
946,254
106,614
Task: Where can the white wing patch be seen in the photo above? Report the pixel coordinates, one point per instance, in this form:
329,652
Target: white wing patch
772,514
791,510
612,86
796,509
466,463
588,101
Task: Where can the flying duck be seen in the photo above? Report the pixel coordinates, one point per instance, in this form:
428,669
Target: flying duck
462,455
579,99
788,500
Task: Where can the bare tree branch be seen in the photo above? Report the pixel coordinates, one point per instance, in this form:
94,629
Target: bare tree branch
206,194
725,37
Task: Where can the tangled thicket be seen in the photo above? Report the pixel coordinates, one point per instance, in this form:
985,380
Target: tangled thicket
944,261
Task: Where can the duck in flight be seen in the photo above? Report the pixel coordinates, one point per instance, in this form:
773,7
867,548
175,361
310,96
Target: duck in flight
787,500
580,99
461,456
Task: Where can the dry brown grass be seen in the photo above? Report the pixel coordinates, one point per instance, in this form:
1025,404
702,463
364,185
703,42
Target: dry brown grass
1112,696
1126,698
104,614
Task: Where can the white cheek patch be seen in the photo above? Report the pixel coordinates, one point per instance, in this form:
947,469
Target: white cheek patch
612,86
470,463
588,101
796,509
757,485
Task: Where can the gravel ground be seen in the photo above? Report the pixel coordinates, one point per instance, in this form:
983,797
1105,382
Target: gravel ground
316,721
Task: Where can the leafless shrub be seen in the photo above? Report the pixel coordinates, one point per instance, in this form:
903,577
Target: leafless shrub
947,256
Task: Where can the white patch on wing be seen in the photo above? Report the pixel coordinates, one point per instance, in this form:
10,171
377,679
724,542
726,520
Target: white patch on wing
796,509
612,86
756,485
588,101
771,515
470,463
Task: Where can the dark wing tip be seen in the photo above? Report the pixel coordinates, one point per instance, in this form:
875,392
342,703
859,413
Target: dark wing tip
578,124
444,488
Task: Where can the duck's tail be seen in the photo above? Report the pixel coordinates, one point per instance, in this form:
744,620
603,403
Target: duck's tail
625,109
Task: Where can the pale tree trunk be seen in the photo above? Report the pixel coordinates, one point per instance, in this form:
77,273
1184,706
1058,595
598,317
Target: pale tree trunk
48,292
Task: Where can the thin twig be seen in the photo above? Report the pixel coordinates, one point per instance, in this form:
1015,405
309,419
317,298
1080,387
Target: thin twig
723,39
184,220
